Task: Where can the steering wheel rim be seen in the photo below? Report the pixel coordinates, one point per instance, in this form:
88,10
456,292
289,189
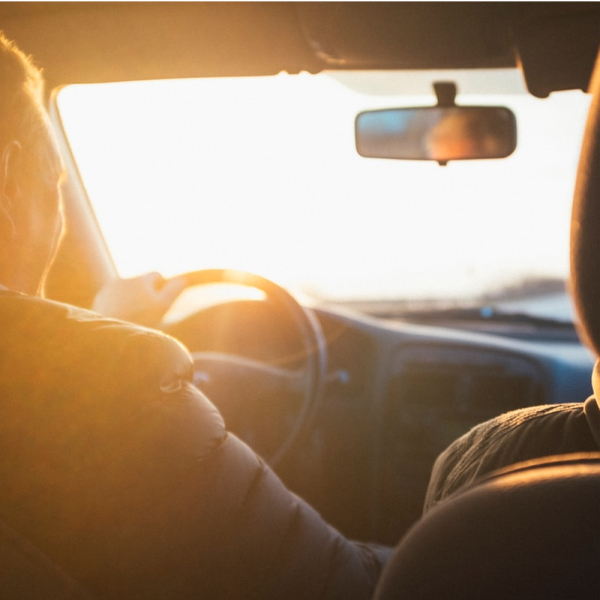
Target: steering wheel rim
310,333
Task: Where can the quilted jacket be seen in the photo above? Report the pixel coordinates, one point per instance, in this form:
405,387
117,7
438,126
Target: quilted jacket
121,471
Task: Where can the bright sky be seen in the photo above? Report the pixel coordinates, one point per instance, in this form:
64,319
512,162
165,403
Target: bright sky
261,175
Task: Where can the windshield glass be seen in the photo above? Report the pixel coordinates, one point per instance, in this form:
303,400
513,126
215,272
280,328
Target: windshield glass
262,175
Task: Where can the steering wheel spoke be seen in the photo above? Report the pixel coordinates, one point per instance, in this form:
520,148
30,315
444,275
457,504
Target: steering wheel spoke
213,369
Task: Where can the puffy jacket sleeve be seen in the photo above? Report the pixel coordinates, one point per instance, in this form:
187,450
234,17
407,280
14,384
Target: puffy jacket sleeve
123,472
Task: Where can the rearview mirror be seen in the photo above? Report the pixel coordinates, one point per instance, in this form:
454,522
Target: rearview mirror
437,133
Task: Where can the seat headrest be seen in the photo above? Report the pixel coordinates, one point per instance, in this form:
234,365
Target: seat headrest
531,531
585,226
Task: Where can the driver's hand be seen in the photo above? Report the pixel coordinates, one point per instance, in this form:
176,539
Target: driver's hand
142,300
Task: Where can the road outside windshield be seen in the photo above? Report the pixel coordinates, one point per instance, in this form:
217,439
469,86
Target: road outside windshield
261,174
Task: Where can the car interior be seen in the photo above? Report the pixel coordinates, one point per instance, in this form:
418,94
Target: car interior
460,144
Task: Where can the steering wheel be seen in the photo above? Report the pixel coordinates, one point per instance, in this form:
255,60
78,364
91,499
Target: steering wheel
230,378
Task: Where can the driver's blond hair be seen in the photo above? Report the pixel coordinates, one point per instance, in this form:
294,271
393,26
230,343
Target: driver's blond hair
22,113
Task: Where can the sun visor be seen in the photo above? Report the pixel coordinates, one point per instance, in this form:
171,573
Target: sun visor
410,35
557,50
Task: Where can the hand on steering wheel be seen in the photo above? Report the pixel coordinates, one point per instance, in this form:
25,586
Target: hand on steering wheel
237,384
143,300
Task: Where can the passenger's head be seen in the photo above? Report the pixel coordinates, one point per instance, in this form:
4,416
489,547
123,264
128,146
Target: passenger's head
30,170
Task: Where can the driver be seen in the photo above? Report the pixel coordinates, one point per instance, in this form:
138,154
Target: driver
114,465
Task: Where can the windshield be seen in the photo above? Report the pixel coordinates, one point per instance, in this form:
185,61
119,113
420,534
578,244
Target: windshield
262,175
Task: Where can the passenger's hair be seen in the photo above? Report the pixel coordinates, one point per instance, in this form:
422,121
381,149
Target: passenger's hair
22,113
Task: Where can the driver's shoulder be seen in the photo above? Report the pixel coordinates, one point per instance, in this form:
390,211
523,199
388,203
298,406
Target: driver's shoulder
59,345
30,318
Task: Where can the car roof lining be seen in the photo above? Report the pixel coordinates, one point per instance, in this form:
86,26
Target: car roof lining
81,42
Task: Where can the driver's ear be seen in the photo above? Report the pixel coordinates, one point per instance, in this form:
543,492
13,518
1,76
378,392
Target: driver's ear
10,186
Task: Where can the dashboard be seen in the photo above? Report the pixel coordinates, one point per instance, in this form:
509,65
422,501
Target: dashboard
397,394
